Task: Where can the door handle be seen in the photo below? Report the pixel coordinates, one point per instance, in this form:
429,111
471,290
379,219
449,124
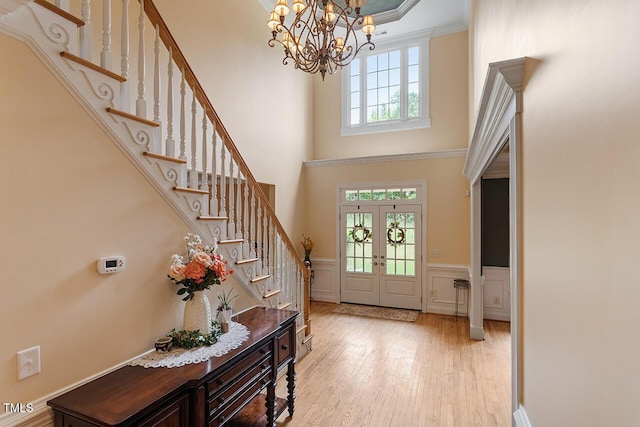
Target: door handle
375,263
375,256
382,263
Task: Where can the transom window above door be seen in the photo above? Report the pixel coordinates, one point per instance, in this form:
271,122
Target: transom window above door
378,194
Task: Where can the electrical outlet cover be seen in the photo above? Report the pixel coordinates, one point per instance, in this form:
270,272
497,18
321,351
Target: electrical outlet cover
28,362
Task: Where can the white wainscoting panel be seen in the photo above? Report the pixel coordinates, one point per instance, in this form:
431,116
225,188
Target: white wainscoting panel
326,283
496,293
440,294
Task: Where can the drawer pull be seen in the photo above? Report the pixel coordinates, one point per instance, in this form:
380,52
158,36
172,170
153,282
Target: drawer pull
263,381
263,351
263,366
284,346
221,419
221,400
220,381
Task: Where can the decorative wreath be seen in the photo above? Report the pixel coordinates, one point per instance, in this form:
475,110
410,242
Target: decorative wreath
395,234
360,233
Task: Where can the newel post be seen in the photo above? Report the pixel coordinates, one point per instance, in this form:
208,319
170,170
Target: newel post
307,299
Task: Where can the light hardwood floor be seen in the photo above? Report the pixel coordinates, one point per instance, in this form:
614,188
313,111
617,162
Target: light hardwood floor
373,372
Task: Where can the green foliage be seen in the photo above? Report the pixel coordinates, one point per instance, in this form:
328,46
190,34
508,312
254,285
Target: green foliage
225,300
391,110
192,339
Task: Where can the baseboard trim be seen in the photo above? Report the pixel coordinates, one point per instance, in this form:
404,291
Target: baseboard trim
476,333
42,415
520,418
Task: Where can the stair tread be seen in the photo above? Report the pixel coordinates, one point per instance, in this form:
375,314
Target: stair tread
131,116
161,157
63,13
89,64
284,305
272,293
246,261
229,241
190,190
212,218
301,329
259,278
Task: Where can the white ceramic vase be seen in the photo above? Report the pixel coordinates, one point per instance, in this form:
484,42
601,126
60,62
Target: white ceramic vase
197,314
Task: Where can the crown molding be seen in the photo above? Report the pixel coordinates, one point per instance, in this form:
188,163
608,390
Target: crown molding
461,152
501,100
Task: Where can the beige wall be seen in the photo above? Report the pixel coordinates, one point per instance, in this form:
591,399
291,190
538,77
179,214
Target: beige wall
448,104
447,204
580,180
71,197
265,106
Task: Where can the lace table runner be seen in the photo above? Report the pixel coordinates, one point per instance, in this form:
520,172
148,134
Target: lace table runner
237,334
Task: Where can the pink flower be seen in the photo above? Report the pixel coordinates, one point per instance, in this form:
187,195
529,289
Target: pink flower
176,272
195,271
202,258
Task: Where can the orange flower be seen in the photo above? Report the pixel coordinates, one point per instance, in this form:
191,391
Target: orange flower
195,271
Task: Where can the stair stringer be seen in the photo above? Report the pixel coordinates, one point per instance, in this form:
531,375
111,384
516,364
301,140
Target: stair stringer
47,35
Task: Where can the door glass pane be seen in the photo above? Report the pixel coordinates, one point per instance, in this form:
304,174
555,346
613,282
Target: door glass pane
400,236
359,244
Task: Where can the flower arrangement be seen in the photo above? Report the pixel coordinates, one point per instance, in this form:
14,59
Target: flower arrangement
204,267
307,245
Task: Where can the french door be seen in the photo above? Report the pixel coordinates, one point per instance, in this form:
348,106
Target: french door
381,255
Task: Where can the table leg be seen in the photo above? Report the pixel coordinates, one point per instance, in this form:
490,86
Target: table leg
291,385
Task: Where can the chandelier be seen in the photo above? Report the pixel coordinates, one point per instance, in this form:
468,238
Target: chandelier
311,41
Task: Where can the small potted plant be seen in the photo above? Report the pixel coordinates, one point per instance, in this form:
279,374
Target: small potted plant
225,310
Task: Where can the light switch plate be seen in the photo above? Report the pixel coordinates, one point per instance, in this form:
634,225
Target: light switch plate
28,362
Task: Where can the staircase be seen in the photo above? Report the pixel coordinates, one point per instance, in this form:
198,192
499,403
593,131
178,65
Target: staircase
169,130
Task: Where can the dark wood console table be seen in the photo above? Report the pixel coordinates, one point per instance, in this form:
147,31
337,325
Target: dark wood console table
223,391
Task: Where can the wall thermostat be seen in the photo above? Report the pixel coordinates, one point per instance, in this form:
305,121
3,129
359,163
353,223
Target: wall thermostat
111,264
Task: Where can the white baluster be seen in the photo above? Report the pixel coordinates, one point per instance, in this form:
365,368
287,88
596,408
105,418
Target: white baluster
156,77
170,146
245,234
141,103
213,202
105,54
253,231
238,204
183,119
272,251
193,175
124,57
86,32
265,243
204,185
63,4
231,224
223,181
259,247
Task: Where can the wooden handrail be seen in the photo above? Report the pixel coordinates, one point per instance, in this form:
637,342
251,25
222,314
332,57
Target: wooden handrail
178,57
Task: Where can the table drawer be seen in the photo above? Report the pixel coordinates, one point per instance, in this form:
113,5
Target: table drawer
227,394
224,415
284,346
226,378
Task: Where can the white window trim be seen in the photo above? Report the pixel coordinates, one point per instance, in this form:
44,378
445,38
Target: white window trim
393,43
